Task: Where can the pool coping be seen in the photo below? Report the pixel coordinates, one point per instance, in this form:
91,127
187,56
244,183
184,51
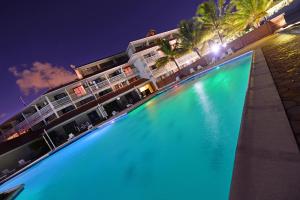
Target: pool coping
267,160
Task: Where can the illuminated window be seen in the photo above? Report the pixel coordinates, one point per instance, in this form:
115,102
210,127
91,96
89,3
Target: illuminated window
128,71
79,91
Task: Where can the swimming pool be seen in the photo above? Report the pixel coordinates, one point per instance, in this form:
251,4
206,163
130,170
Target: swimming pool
179,145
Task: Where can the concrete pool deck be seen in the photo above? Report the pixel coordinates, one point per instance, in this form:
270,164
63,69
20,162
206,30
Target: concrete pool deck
267,159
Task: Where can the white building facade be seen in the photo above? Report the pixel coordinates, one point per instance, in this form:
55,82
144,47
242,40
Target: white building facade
103,88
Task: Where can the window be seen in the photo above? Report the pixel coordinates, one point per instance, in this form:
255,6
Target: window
128,71
79,91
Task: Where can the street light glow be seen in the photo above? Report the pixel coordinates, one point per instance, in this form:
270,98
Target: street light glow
215,48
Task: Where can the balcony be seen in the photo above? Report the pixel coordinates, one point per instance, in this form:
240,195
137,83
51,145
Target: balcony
33,119
99,86
46,111
117,78
63,102
151,60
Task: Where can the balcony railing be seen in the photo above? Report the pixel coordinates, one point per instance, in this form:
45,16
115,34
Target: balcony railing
152,59
46,111
117,78
99,86
34,118
61,102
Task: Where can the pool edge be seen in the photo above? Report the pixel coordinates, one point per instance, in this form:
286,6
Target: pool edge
267,155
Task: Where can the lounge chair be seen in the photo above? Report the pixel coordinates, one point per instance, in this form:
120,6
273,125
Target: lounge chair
199,67
114,113
229,51
128,105
22,162
192,70
71,136
90,126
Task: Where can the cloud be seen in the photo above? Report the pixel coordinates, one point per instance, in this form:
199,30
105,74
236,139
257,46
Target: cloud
41,76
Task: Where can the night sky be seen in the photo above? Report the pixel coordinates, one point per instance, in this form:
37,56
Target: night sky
73,32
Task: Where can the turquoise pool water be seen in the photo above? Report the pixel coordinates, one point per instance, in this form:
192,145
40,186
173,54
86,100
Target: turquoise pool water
179,145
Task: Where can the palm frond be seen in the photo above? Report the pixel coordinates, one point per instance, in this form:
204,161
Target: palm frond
163,61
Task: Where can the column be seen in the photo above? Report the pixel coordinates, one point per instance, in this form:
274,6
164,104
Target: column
52,107
46,133
40,114
26,120
102,111
70,98
109,82
138,92
91,89
125,76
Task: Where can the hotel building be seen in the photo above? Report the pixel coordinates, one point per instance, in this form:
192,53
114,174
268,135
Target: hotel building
102,89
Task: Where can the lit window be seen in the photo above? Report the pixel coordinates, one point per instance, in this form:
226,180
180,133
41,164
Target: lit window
127,71
79,91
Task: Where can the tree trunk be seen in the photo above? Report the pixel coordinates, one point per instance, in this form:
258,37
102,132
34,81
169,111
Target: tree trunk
176,64
197,52
220,37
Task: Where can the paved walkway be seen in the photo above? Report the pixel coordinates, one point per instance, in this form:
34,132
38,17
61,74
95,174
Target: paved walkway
283,58
267,159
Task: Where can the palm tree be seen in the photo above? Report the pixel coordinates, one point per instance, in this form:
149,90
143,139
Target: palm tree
213,16
170,53
250,12
191,35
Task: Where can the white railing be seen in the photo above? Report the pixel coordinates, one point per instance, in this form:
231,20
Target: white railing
152,59
34,118
61,102
117,78
46,110
99,86
162,70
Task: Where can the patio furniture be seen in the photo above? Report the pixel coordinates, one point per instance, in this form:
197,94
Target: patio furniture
199,67
71,136
22,162
128,105
114,113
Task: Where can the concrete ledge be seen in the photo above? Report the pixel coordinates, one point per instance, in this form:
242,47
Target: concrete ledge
267,162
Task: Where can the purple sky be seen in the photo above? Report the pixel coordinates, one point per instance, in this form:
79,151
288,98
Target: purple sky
74,32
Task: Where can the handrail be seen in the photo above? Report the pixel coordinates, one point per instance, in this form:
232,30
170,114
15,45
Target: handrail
100,85
117,78
61,102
